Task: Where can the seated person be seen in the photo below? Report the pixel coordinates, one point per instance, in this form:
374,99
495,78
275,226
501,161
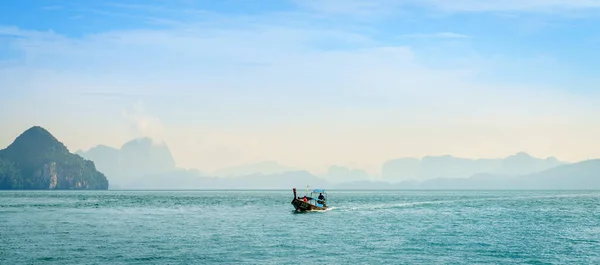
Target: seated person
321,199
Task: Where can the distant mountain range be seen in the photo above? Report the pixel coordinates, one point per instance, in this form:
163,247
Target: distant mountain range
137,159
264,167
143,164
36,160
432,167
335,174
583,175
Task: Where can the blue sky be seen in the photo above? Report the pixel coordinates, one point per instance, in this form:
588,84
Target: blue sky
307,83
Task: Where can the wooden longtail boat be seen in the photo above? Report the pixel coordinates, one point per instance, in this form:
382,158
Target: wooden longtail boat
309,203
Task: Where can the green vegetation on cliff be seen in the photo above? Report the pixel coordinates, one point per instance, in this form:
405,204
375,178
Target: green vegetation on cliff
36,160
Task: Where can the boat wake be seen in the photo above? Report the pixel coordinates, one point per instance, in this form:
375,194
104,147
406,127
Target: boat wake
315,211
324,211
419,203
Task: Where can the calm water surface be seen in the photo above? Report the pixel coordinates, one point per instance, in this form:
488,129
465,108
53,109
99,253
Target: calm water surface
259,227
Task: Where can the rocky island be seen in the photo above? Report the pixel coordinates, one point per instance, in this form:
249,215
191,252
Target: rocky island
36,160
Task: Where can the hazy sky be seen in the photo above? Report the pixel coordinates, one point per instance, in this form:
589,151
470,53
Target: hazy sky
307,83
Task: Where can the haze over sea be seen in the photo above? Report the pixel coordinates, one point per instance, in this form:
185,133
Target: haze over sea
260,227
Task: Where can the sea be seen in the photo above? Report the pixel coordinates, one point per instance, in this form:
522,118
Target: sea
261,227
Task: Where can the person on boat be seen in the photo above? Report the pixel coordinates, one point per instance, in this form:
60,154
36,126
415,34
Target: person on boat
321,199
305,199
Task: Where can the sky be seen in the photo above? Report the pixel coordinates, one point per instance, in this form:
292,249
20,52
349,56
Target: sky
306,83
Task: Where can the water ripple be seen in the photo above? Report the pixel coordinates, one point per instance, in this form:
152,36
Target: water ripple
260,227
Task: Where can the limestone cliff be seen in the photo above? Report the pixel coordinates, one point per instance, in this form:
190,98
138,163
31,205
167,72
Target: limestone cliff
36,160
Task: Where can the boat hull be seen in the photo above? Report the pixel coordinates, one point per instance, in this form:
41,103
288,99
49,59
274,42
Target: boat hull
302,206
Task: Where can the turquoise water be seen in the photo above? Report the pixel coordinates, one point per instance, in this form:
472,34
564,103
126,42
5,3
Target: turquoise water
259,227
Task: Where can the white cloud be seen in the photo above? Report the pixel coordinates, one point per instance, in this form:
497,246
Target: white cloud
222,96
142,124
449,35
393,7
351,7
512,5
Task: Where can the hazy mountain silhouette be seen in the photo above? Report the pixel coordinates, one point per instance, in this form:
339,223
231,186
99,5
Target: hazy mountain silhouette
401,169
136,158
195,180
340,174
264,167
175,179
476,182
334,173
522,163
363,185
432,167
285,180
583,175
142,164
